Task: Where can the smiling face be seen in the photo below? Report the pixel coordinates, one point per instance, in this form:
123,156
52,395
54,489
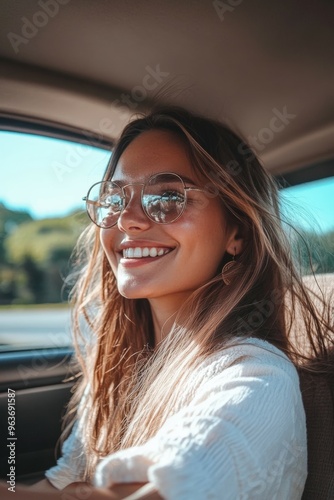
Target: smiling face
164,262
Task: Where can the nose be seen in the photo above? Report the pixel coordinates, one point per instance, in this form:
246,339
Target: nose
133,218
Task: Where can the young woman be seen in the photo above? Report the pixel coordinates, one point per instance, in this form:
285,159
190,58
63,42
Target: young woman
183,313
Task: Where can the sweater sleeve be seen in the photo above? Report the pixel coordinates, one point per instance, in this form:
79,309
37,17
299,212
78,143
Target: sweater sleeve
71,465
243,436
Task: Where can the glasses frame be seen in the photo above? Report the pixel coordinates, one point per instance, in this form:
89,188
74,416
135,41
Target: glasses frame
143,184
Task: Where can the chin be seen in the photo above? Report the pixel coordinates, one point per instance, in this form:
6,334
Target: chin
133,294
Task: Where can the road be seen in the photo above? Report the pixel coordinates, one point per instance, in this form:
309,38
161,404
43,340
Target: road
35,327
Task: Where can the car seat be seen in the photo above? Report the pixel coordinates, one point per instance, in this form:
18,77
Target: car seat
318,397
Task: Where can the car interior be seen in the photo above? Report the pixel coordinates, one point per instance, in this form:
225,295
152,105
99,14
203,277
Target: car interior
78,70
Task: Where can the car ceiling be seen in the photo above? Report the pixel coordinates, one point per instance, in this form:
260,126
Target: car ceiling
239,61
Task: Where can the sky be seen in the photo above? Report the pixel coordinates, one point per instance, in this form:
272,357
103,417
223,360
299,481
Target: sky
48,178
311,205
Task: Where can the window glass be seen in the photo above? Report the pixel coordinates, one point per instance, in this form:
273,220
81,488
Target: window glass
310,209
42,182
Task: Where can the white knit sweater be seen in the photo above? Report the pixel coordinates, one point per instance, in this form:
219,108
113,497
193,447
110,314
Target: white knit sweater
242,435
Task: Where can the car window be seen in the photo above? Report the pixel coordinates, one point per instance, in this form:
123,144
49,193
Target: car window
309,207
42,213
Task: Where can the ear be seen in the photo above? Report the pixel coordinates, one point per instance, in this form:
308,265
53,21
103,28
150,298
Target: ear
235,242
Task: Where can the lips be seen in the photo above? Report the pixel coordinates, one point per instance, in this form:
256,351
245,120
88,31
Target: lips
143,252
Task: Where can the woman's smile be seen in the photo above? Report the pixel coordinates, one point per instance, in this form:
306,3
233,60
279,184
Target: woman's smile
141,252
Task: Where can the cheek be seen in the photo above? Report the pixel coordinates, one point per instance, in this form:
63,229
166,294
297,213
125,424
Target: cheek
202,242
211,238
210,223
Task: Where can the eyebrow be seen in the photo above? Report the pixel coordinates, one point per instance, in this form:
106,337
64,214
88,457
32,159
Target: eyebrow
185,179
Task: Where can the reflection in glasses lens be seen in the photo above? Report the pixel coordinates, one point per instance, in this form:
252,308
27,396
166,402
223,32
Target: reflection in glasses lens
163,200
104,203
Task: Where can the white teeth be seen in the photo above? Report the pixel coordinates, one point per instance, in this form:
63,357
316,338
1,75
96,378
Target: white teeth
153,252
138,253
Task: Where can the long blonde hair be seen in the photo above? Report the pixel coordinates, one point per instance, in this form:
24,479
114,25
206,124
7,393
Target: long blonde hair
117,359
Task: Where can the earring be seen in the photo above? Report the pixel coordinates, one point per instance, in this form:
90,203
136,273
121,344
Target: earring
228,271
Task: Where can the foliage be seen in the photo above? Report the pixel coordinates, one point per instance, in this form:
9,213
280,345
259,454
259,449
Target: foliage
35,255
9,221
315,252
42,240
11,218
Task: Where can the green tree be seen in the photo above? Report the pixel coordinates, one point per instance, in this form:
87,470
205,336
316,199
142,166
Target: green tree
42,249
41,238
35,279
315,251
9,221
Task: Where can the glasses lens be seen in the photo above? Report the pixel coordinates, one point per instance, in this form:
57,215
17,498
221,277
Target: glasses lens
164,198
104,203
